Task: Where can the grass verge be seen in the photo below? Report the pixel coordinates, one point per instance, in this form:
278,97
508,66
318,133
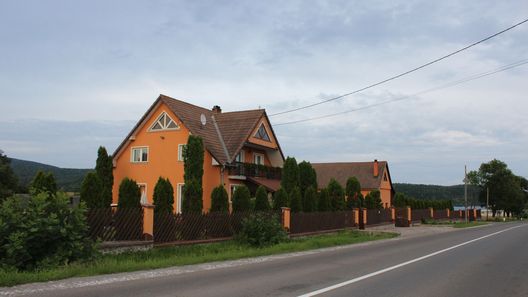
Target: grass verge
470,224
185,255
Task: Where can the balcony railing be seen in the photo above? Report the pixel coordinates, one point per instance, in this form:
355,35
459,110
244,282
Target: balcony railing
254,170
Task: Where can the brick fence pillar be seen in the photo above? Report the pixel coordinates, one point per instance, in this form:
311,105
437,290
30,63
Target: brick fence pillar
393,214
148,221
365,216
286,215
448,211
356,216
431,212
409,215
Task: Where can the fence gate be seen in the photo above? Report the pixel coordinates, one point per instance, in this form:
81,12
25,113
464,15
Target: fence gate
402,219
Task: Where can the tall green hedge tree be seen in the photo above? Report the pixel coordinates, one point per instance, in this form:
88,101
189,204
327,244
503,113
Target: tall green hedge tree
310,199
353,192
91,191
280,199
219,200
290,175
307,176
8,179
44,182
193,157
324,201
103,168
129,194
261,199
241,199
163,196
296,200
336,195
373,200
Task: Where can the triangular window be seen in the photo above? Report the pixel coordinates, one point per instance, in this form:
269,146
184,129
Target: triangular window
262,133
164,122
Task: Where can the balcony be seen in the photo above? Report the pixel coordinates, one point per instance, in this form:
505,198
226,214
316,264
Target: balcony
254,170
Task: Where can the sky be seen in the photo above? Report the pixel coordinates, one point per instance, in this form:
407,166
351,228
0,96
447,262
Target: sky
75,75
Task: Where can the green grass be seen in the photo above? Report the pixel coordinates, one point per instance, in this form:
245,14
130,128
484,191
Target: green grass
185,255
470,224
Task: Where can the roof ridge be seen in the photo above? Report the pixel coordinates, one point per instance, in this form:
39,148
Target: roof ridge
184,102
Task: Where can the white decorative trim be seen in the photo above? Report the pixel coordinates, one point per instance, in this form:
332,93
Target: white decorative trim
164,126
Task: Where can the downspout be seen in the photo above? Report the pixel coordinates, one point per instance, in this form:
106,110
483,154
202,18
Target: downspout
224,147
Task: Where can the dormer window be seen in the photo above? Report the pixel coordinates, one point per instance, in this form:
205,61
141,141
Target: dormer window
164,122
262,133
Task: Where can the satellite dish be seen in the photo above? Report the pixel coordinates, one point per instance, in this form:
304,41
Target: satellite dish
203,119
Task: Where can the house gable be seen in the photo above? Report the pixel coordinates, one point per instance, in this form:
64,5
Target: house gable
263,135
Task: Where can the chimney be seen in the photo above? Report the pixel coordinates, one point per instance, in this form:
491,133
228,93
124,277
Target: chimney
376,169
217,109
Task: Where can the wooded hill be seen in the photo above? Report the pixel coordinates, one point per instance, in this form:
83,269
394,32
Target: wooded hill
435,192
68,179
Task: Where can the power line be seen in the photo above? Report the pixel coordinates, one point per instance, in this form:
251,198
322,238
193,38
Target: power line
404,73
444,86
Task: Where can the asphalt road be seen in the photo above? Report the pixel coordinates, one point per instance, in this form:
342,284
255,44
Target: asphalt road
483,261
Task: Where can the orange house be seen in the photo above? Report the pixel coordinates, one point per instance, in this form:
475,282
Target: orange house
240,148
371,175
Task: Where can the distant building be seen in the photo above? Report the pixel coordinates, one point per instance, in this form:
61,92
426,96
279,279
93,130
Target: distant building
371,175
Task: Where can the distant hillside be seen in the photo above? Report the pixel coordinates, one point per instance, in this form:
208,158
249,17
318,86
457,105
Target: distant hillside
434,192
68,179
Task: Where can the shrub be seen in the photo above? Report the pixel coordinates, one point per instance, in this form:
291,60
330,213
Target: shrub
261,199
43,183
129,194
280,199
296,200
163,196
310,200
261,229
373,200
290,175
91,191
324,201
219,200
241,199
336,195
103,168
192,197
42,232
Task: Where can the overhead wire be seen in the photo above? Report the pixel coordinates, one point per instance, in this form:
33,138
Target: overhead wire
403,73
444,86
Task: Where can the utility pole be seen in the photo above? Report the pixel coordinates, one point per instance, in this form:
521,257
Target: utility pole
465,194
487,203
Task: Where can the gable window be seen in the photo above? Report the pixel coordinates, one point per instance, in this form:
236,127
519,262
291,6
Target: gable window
181,147
262,133
139,155
258,159
164,122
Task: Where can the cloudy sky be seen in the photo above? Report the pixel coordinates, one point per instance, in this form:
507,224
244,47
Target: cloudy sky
78,74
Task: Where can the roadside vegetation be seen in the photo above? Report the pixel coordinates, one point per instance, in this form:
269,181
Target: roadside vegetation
454,224
185,255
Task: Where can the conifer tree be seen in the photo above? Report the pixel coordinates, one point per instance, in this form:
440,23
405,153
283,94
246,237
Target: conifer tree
280,199
261,199
103,168
241,199
219,200
91,190
163,196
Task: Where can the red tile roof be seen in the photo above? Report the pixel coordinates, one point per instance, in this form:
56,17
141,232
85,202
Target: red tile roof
363,171
234,127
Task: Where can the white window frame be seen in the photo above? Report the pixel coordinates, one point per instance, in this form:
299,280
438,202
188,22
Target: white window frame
140,148
145,200
180,151
233,189
179,197
255,155
162,127
241,156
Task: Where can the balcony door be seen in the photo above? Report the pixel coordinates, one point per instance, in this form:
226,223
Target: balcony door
258,159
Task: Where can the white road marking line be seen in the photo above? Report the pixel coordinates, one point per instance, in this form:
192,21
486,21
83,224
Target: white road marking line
357,279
